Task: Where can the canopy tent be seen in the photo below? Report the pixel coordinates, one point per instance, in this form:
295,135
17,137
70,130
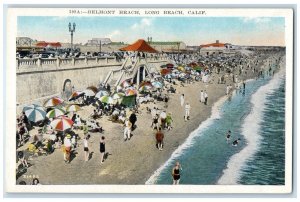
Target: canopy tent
140,45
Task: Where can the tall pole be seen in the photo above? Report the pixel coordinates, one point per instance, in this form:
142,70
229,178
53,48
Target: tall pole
72,30
100,47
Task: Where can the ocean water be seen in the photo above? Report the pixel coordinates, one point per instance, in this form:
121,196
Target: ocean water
208,159
267,166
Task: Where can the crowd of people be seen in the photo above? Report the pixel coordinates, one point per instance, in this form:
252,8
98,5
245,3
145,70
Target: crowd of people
228,70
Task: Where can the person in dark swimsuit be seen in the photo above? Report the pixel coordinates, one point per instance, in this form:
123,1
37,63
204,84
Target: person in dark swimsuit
102,149
236,142
228,135
176,173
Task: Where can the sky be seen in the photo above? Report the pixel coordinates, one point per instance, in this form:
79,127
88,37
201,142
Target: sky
191,30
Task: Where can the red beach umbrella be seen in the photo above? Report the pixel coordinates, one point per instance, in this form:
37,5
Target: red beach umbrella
54,101
165,72
61,123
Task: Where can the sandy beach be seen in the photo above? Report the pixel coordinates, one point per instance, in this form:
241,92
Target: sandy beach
134,161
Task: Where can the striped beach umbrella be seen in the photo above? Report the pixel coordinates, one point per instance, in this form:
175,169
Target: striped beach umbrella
55,113
89,92
125,84
157,84
145,88
93,88
106,99
75,95
130,92
73,108
54,101
34,112
101,93
165,71
117,96
61,123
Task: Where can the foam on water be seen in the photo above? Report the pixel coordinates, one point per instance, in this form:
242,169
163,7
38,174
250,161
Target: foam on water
250,130
215,114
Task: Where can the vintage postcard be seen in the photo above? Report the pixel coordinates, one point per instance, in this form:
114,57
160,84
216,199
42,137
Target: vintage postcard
149,100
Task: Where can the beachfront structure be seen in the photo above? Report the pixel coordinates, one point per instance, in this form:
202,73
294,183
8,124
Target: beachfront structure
25,42
168,46
214,48
97,41
140,46
78,73
44,44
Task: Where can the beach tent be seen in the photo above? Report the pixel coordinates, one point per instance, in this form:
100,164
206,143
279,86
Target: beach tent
129,101
140,45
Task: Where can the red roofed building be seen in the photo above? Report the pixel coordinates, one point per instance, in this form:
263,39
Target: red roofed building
140,45
212,48
217,44
48,44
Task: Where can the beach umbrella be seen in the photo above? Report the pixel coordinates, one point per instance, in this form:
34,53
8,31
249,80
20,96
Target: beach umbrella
53,113
165,71
117,96
169,65
145,88
197,68
61,123
89,92
163,66
75,95
181,68
101,93
93,88
106,99
145,83
157,84
182,75
130,92
54,101
125,84
73,108
34,113
192,64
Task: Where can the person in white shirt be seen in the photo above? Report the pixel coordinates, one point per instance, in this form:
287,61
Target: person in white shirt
187,111
127,130
202,96
227,89
162,117
182,100
205,97
67,144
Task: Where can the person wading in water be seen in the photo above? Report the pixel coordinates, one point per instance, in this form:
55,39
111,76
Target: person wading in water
176,173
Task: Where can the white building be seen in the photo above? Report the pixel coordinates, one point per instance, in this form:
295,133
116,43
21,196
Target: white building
97,41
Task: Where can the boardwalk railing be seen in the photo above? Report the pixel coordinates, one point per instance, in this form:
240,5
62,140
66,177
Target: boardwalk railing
73,62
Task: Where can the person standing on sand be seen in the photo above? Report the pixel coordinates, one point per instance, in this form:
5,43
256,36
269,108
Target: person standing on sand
227,89
159,139
132,119
182,100
86,148
187,111
202,96
127,130
102,149
176,173
205,97
67,144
